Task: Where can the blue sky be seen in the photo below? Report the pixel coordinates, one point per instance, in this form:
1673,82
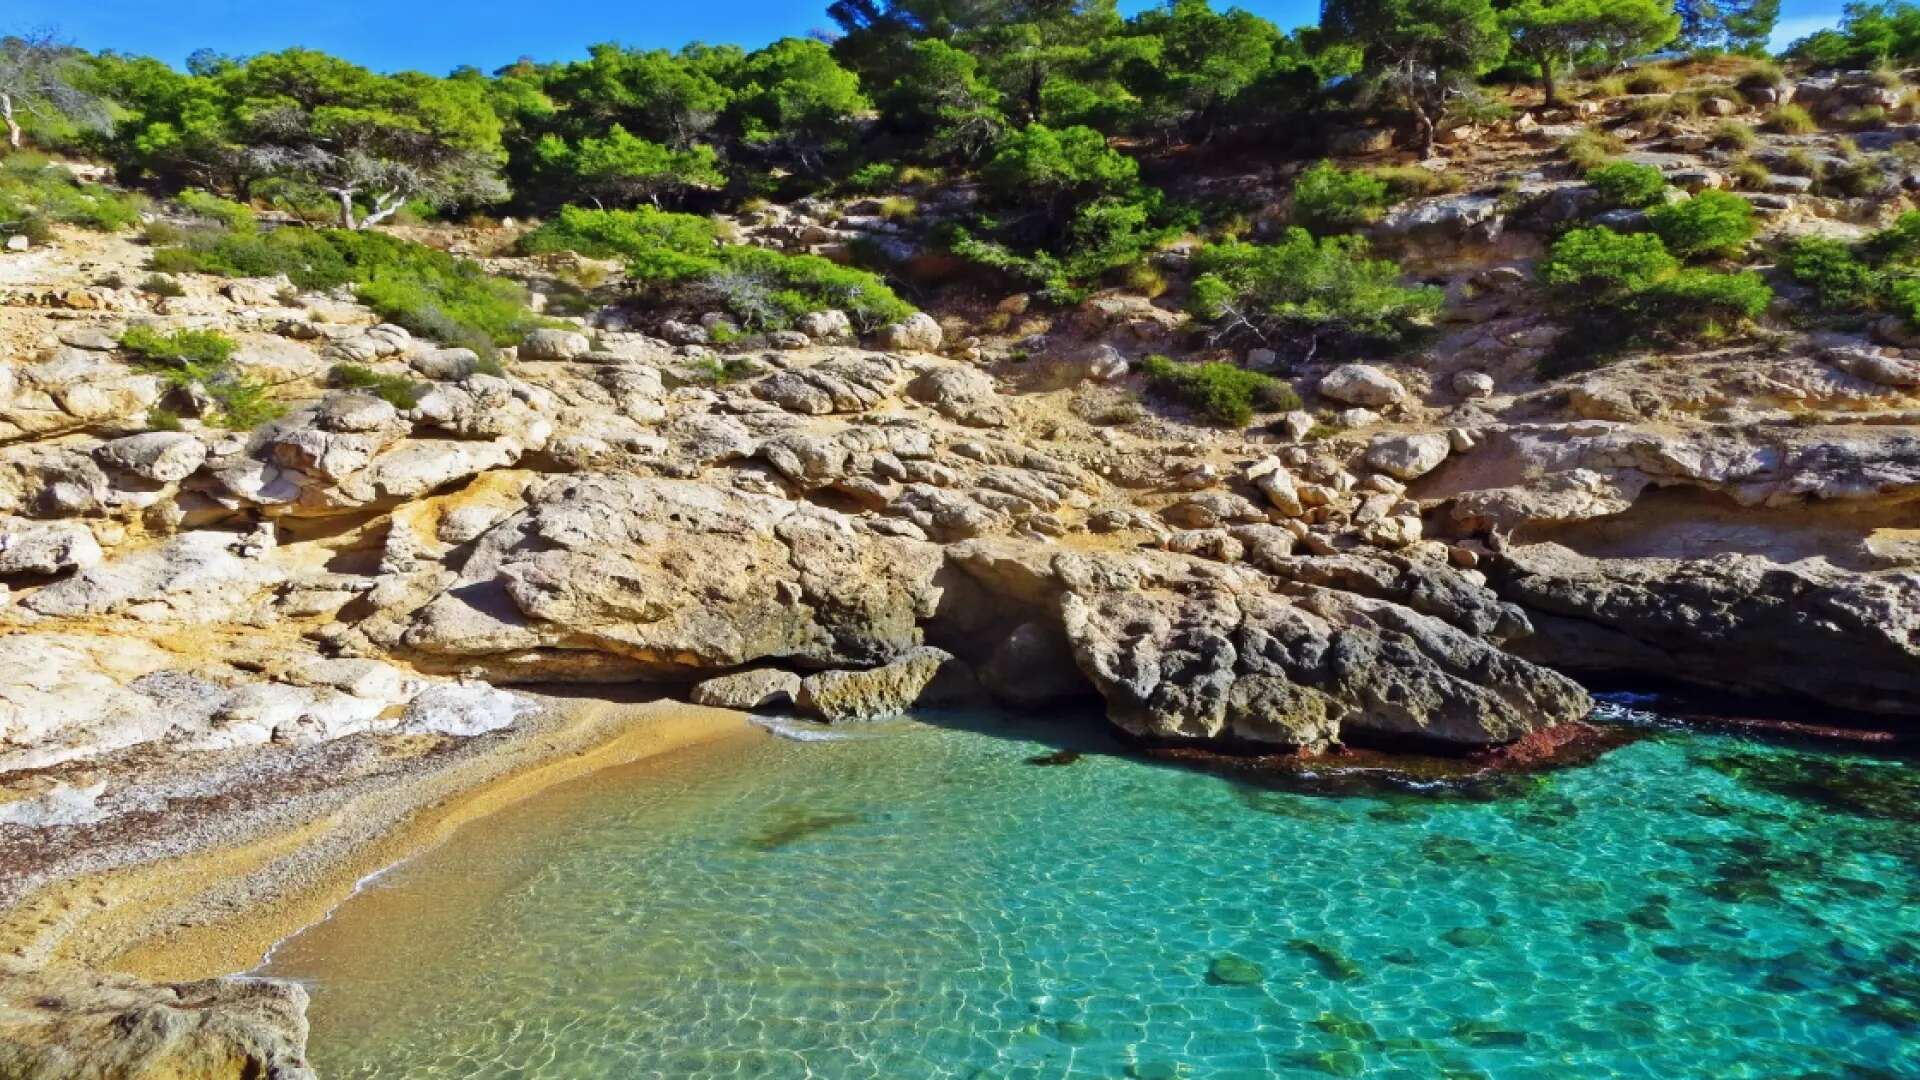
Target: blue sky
435,36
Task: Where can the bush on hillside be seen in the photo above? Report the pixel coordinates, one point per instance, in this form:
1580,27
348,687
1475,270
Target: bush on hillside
681,254
1624,184
1712,224
1618,289
1327,198
34,191
1306,288
1599,266
1223,393
204,359
429,292
396,390
1840,280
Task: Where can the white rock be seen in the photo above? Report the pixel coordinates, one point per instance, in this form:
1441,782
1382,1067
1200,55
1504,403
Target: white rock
463,710
1408,457
555,345
1473,385
1361,384
917,333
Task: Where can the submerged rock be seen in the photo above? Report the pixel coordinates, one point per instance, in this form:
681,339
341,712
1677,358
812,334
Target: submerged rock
1230,970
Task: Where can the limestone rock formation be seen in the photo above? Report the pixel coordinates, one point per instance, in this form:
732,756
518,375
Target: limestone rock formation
58,1025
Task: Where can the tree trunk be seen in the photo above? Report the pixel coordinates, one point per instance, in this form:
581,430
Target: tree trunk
1547,83
13,126
346,208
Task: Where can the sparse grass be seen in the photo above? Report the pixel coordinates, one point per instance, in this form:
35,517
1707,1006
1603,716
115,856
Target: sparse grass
1145,280
1733,135
1654,79
1225,394
162,285
160,418
899,208
1800,162
1591,149
1413,181
396,390
1791,119
720,371
1865,118
1750,175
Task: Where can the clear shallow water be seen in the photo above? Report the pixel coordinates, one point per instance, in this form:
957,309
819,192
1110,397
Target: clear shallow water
926,903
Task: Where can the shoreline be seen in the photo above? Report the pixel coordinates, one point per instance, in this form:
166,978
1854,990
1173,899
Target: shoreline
219,906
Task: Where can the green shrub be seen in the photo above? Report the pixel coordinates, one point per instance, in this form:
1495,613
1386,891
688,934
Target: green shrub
768,290
224,212
1629,185
1223,393
396,390
1302,287
1591,149
872,178
1703,304
1597,266
208,348
203,358
431,293
163,233
163,419
1327,198
763,289
1791,119
720,371
1711,224
1881,273
35,192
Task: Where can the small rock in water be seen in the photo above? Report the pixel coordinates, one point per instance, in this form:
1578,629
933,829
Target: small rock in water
1331,962
1230,970
1468,937
1483,1034
1058,757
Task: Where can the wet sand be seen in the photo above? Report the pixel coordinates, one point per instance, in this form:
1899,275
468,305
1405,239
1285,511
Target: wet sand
229,894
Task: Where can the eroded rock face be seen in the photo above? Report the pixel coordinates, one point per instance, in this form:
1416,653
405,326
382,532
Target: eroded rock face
1185,649
637,575
57,1025
921,678
1806,629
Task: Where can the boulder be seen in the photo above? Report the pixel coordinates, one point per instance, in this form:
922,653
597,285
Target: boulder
160,456
917,333
746,691
1473,385
925,677
964,395
1361,384
826,326
548,344
1408,457
45,547
70,1023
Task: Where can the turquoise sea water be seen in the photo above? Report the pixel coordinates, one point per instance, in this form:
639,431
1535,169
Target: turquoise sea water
922,901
